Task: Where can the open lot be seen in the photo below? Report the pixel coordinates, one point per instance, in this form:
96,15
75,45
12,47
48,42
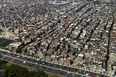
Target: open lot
5,42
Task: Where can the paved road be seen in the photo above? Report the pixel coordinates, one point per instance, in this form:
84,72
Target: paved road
64,71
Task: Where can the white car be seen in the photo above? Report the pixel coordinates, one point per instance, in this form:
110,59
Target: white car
24,61
18,56
68,72
87,74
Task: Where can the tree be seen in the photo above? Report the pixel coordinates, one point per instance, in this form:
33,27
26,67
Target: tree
59,21
16,71
1,30
4,67
96,2
37,74
41,74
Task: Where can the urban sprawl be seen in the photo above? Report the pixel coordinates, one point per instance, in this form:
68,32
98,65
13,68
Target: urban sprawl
78,34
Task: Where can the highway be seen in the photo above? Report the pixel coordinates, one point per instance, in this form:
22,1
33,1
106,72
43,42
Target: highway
64,71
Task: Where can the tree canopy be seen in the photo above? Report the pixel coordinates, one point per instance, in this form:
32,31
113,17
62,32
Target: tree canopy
18,71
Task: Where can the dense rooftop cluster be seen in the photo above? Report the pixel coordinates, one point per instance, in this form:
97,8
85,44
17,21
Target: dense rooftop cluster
76,35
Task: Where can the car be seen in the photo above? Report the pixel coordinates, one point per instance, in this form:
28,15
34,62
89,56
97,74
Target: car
18,56
60,68
44,67
92,76
72,70
41,68
29,65
40,65
87,74
77,72
60,72
68,72
49,64
37,59
24,61
72,74
36,63
97,76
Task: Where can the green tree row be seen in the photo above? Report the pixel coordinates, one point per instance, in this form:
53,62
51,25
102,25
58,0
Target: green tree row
18,71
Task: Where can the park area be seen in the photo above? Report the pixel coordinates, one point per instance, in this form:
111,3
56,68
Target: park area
5,42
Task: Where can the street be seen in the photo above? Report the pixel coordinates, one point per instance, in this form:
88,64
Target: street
63,71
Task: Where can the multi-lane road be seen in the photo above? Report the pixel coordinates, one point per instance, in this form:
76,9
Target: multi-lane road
64,71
